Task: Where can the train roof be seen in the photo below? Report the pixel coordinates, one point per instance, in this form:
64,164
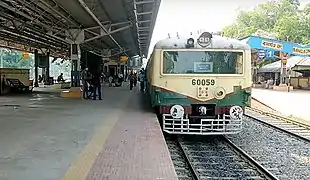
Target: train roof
216,42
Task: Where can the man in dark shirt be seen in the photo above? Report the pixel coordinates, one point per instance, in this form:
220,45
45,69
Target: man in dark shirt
131,78
96,86
60,78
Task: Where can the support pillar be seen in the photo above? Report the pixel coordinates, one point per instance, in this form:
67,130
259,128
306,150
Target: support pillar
75,65
1,58
123,68
47,70
36,66
283,74
283,57
75,37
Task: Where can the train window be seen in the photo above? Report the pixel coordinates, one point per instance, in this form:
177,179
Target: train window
202,62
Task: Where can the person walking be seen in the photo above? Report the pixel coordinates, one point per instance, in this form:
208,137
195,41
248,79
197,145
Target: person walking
131,80
135,79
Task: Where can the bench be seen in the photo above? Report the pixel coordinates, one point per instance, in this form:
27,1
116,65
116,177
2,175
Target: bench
16,85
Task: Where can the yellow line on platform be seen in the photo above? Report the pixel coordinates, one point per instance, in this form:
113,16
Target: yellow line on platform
80,168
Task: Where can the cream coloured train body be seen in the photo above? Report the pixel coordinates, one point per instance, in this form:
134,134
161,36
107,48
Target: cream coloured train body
200,86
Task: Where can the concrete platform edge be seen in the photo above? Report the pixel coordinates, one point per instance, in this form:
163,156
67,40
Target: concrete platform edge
292,118
84,161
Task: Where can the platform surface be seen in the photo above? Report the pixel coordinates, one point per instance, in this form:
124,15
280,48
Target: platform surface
46,137
136,149
294,103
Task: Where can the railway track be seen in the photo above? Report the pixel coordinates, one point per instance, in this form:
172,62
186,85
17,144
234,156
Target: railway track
217,158
287,125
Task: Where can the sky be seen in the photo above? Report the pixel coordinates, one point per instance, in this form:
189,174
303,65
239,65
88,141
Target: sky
185,16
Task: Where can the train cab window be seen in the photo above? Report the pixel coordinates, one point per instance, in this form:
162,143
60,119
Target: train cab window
168,63
239,67
202,62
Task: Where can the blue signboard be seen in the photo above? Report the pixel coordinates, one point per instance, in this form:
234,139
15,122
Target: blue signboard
270,54
275,45
261,54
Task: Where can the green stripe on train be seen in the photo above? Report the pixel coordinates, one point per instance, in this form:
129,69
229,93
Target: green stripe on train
161,98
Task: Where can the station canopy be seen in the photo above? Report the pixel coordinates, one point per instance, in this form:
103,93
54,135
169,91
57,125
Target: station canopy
295,63
120,27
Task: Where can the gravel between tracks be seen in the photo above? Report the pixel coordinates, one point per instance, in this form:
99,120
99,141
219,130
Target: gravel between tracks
179,162
288,157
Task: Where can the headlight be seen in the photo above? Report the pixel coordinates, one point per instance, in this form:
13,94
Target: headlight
236,112
177,111
219,93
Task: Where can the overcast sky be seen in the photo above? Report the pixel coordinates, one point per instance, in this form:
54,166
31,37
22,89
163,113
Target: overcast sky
185,16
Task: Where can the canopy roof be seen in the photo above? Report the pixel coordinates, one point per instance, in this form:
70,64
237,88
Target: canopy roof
295,63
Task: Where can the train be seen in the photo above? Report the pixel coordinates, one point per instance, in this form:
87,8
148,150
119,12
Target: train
199,85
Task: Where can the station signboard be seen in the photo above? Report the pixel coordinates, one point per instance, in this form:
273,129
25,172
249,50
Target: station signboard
301,51
123,59
261,54
25,56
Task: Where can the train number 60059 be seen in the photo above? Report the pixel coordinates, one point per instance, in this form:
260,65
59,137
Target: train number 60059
203,82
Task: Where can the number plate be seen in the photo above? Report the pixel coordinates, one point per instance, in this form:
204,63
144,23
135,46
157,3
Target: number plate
203,82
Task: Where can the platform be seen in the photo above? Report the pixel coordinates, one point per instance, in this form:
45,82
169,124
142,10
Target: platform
46,137
294,103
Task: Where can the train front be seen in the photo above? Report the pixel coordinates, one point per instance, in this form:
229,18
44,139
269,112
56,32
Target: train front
204,88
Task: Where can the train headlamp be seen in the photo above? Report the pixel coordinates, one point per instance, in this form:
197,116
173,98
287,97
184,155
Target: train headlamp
219,93
190,42
236,112
177,111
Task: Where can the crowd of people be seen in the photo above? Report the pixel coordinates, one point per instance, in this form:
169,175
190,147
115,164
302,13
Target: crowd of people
91,83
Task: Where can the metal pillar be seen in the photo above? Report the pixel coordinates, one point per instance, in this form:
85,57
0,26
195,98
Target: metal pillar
47,68
75,65
283,71
36,65
1,57
75,37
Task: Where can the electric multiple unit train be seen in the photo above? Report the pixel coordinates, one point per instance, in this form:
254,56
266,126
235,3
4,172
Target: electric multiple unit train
200,86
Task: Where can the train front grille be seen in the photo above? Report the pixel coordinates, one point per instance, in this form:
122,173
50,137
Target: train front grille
205,119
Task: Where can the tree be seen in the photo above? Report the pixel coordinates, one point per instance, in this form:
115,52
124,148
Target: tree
281,17
14,59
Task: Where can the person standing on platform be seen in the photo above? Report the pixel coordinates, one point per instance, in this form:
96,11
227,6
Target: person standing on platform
142,79
131,78
120,78
135,79
85,78
96,82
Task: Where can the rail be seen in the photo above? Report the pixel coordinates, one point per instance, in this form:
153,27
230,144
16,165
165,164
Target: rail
220,150
297,129
278,116
258,166
190,165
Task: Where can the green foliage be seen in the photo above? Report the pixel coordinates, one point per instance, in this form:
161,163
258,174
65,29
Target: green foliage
265,62
13,59
282,17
